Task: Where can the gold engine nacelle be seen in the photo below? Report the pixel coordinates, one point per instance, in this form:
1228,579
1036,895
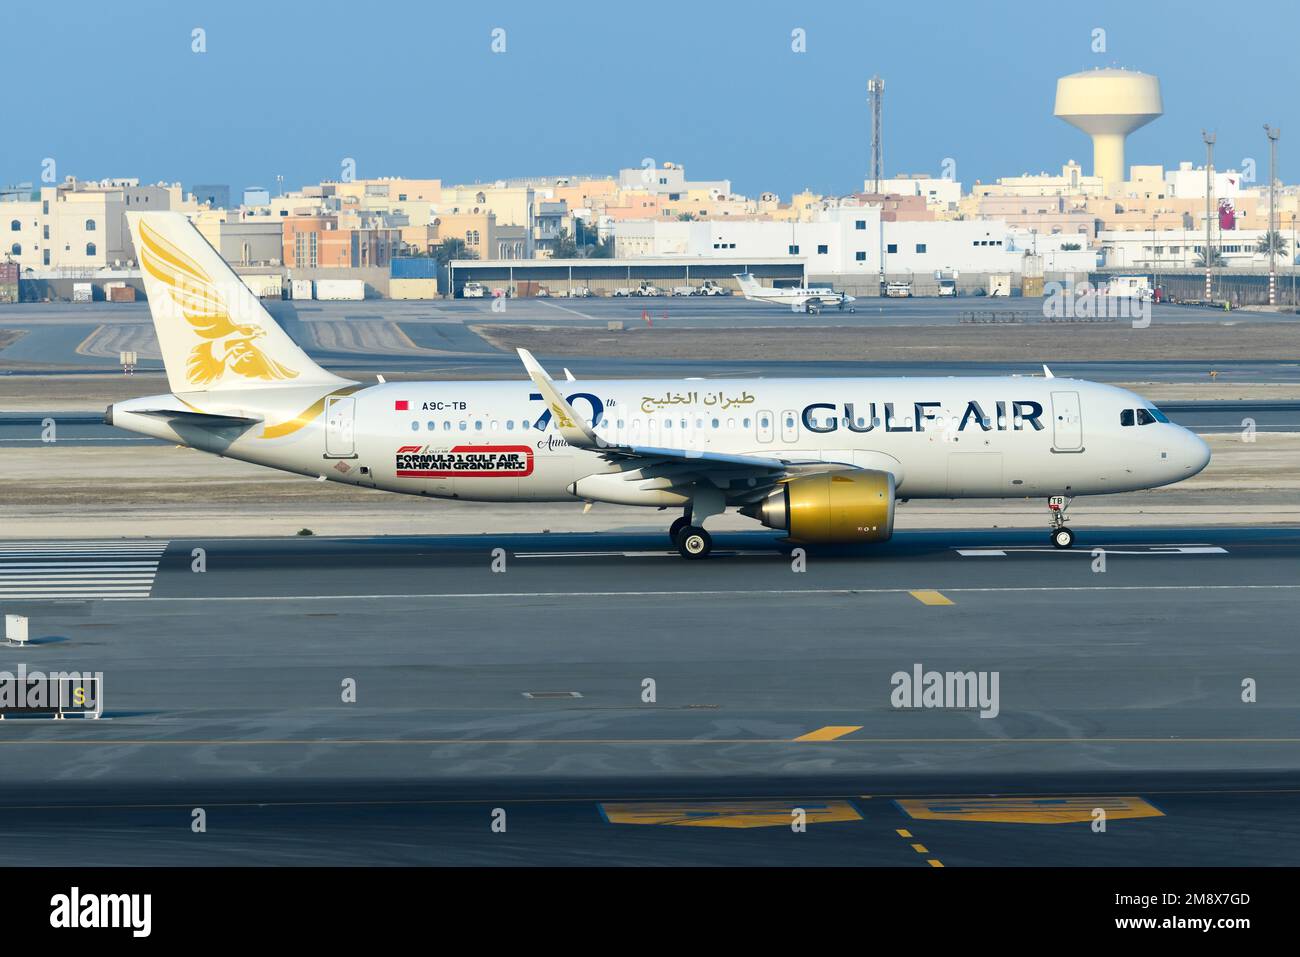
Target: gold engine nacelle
831,507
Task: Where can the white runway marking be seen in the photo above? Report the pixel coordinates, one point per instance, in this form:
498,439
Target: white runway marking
653,554
721,592
1198,549
555,305
111,569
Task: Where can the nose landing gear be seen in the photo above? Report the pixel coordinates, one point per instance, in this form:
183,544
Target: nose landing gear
1058,505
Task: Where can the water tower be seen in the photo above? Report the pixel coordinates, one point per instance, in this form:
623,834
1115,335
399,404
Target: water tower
1108,105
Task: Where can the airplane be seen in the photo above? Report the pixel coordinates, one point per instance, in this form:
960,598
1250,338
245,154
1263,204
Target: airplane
808,299
823,460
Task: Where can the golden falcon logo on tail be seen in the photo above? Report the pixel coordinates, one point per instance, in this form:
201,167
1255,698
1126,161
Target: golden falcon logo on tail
228,345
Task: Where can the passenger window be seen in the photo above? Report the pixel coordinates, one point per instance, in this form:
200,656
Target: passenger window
510,425
1144,417
415,426
715,423
1126,417
463,426
524,425
430,426
446,426
478,426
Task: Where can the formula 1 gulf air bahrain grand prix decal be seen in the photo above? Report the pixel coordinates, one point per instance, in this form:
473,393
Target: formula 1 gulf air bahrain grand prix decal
464,461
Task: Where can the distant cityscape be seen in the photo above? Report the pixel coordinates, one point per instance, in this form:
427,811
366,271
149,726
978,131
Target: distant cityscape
919,228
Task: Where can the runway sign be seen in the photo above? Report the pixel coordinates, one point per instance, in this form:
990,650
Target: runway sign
726,813
1026,810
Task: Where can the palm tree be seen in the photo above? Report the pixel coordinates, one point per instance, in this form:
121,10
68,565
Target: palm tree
1217,259
452,248
1278,245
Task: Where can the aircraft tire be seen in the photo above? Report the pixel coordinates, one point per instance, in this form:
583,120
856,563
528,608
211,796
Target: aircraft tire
694,542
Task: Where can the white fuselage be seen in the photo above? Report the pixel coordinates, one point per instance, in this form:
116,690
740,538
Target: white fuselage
495,441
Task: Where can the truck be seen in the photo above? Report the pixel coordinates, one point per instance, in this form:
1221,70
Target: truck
946,281
898,290
473,290
1130,287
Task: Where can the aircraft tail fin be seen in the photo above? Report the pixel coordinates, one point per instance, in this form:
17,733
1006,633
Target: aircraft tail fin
748,284
213,332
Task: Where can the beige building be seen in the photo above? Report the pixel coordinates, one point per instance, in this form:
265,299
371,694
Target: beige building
76,225
510,205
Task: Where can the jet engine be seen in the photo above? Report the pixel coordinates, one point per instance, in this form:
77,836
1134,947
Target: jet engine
831,507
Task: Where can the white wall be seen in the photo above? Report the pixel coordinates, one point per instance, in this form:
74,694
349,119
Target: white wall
831,245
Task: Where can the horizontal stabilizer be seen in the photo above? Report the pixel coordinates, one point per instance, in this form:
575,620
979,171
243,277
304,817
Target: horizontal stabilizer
206,420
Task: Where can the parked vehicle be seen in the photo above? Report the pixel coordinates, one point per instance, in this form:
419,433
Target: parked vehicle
1130,287
622,292
947,287
473,290
579,292
648,289
898,290
711,287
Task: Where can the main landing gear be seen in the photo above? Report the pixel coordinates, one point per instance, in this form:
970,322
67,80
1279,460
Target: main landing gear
1062,536
678,524
691,540
694,542
688,532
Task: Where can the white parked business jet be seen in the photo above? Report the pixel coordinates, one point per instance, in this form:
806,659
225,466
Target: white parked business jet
809,299
822,459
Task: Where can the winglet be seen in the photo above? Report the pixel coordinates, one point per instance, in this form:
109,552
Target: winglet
570,426
1047,373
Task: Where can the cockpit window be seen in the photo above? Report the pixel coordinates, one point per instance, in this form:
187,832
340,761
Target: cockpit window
1144,417
1160,416
1126,417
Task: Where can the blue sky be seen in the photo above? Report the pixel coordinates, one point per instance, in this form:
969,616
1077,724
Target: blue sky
413,88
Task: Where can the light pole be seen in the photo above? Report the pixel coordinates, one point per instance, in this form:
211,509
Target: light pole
1272,134
1208,139
1154,269
1293,262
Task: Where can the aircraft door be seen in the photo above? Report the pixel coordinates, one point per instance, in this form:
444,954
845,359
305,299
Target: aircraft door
340,423
764,427
789,426
1067,422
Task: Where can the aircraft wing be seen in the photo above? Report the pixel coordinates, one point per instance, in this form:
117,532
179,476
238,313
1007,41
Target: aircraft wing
679,466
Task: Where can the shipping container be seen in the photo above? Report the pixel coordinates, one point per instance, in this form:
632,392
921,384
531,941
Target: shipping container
83,292
300,289
265,286
8,272
414,267
412,288
340,289
8,292
121,293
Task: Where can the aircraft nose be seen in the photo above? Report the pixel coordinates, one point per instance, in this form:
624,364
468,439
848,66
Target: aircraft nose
1196,454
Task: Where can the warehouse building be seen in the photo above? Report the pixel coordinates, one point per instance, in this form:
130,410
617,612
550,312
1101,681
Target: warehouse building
604,277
